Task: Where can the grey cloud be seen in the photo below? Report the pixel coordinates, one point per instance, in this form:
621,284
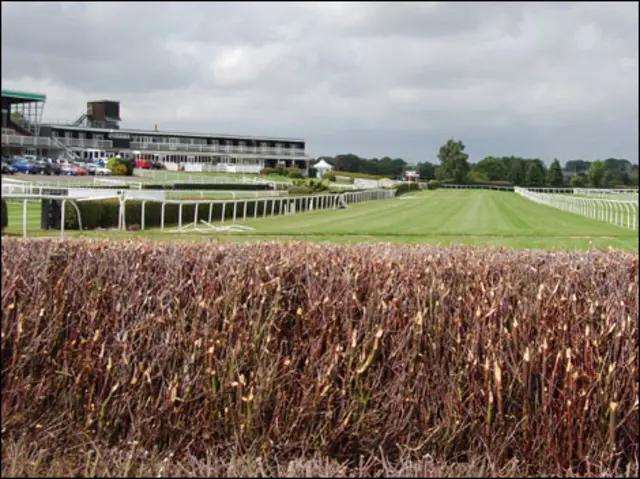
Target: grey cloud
372,78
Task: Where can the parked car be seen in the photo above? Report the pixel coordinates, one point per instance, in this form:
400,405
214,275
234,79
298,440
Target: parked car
100,171
143,164
7,169
50,168
90,168
68,170
28,168
79,169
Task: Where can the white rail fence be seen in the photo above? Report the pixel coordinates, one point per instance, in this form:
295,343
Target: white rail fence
506,188
72,183
176,177
79,191
25,198
270,207
110,182
620,213
230,210
605,192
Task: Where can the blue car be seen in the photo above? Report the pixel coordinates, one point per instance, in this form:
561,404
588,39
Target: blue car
8,169
26,167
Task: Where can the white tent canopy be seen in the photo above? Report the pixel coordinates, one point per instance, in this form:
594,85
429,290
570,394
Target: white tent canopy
322,167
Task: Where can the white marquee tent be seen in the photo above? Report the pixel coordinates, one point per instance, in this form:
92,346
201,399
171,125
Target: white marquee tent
322,167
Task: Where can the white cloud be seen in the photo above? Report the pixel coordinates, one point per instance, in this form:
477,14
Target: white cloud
535,79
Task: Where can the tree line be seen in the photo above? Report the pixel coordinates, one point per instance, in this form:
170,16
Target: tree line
455,167
387,167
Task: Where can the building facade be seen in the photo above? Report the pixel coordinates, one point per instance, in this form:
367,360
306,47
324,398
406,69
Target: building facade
191,151
97,134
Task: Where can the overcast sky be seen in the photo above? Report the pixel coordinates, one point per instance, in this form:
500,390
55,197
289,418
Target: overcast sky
531,79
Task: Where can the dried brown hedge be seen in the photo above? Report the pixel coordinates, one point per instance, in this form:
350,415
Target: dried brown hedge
287,350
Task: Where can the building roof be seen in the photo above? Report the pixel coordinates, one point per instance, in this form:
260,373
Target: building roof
22,96
133,131
322,165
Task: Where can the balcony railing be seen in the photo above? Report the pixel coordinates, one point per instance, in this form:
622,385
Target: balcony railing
85,143
222,149
19,140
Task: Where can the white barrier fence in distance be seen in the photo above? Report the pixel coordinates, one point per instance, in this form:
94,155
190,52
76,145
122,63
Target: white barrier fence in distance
237,208
622,213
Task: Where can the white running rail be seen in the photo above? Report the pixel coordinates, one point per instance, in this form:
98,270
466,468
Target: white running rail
620,213
236,208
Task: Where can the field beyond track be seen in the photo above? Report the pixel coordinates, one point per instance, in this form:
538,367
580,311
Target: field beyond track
475,217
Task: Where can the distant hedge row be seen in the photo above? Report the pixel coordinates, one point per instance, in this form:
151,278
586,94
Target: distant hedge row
5,215
209,186
104,213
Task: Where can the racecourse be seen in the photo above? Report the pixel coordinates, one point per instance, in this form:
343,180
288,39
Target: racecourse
477,217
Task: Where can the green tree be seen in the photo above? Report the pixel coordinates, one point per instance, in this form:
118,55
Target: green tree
477,177
516,170
579,181
554,175
535,174
494,168
577,166
427,171
455,162
596,173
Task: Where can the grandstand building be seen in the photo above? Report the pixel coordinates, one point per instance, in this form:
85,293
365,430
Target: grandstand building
97,134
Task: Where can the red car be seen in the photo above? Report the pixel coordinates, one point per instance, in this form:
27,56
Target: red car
144,164
80,171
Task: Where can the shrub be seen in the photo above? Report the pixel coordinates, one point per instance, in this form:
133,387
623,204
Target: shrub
294,173
300,190
318,186
208,186
279,170
364,176
268,171
433,184
477,177
113,163
329,176
579,181
5,215
294,348
404,188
